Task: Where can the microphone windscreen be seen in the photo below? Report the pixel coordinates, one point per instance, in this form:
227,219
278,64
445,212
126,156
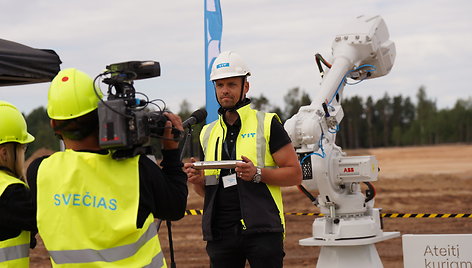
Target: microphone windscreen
200,115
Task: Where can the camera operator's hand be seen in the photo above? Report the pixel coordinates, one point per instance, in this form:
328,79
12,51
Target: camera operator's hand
196,177
174,122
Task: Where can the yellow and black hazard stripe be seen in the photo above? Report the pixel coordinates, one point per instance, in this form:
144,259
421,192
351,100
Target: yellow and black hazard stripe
303,214
426,215
194,212
383,215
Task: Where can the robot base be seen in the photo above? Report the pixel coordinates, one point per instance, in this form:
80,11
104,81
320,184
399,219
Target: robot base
349,253
346,228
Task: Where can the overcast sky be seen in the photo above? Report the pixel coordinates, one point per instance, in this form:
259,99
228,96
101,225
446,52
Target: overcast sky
277,39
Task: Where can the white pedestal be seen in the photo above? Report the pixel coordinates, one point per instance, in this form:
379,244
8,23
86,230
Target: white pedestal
350,253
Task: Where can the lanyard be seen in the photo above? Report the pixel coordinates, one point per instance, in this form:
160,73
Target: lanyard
231,156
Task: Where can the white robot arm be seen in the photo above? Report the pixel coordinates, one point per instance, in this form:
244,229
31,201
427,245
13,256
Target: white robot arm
363,51
364,43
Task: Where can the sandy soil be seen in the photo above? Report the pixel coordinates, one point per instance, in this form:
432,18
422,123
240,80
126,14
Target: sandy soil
433,179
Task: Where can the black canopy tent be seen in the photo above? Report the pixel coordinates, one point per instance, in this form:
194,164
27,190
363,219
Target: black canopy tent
20,64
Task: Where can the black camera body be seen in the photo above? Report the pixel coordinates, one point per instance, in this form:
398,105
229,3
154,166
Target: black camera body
126,124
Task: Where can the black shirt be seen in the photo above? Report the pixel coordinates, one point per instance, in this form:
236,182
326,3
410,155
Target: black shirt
17,212
162,192
227,208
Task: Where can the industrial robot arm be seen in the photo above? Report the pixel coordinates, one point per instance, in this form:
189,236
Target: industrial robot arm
363,51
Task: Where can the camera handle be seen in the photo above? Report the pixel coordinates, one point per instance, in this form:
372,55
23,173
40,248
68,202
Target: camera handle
171,244
187,145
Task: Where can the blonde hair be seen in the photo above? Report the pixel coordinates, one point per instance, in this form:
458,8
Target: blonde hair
13,158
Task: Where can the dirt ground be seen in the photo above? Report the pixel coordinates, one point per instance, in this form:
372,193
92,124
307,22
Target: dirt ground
433,179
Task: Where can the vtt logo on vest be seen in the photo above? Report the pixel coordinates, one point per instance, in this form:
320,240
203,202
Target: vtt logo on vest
248,135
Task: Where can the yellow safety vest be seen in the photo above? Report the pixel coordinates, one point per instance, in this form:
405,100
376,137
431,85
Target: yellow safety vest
252,142
87,211
14,251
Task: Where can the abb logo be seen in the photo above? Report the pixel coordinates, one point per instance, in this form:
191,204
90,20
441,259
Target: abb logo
348,170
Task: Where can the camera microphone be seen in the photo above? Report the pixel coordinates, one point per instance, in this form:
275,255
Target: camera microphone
196,117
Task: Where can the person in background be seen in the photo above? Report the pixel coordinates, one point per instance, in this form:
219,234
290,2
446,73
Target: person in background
17,214
94,210
243,211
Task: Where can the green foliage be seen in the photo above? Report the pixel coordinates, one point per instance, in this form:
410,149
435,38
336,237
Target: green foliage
426,117
294,99
260,103
185,110
38,126
398,122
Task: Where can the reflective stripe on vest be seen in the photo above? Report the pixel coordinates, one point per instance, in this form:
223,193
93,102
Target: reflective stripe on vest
261,142
109,254
206,135
14,252
157,261
211,180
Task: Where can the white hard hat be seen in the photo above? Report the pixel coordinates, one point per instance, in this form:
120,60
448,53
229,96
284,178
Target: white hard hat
228,64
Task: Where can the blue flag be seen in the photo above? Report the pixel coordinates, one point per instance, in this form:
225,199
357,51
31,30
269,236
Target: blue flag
213,32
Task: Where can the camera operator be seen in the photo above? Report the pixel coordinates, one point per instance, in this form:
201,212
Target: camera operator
93,209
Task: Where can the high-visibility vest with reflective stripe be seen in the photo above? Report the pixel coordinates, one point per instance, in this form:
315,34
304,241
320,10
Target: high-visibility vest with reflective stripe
252,142
14,251
87,211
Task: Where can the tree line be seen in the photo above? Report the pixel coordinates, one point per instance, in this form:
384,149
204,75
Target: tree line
389,121
367,123
397,121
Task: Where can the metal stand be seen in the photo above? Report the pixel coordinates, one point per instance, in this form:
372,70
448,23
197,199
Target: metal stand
352,253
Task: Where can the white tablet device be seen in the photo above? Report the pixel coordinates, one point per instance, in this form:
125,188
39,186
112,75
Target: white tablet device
216,164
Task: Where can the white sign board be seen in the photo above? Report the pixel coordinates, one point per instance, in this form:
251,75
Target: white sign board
437,251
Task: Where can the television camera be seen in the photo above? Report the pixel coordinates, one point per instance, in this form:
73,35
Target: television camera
127,123
350,225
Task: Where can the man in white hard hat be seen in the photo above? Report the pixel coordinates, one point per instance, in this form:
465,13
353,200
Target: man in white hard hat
243,212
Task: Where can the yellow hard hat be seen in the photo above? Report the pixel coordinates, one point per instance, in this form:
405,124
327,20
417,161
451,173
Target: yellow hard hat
71,95
13,125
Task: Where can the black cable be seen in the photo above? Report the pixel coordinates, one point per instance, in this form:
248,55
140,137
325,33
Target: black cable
370,193
305,191
102,101
319,59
